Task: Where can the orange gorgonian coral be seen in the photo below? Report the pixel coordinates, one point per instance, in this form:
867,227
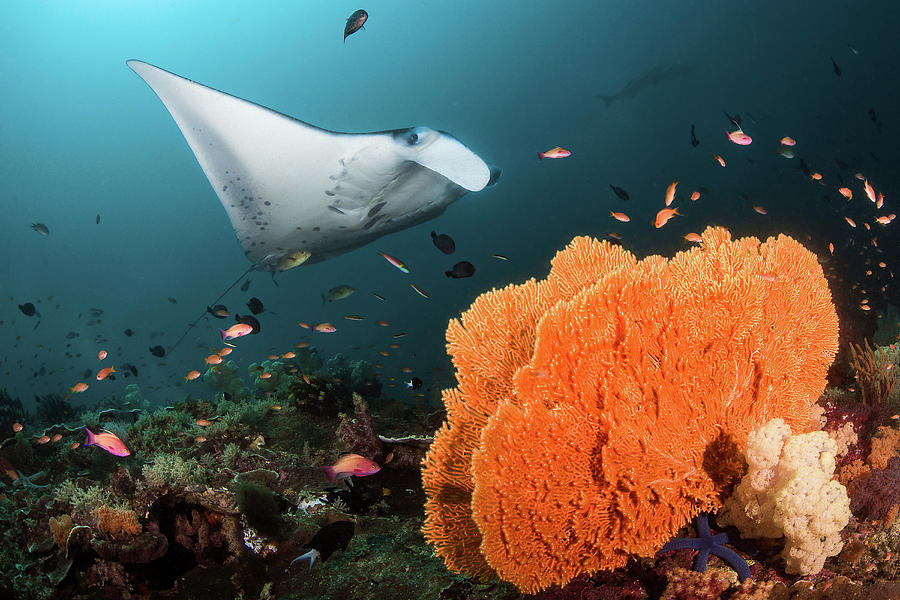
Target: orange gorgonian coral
590,405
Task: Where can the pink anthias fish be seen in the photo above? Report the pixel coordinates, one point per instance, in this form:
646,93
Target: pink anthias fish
739,137
108,441
350,465
235,331
554,153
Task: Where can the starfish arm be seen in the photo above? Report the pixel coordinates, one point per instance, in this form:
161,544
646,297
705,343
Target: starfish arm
680,544
702,559
734,559
702,524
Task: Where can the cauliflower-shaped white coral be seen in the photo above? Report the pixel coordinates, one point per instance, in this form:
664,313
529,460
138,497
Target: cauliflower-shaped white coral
788,490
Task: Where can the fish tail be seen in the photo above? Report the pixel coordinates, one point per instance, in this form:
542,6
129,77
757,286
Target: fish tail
329,473
540,156
90,437
223,334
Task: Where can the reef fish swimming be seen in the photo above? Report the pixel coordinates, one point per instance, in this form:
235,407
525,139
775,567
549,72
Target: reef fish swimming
108,441
355,22
293,190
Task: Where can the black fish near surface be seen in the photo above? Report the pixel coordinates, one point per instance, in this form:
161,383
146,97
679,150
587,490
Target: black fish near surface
40,228
443,242
157,351
460,270
28,309
622,194
255,305
245,286
834,65
694,141
355,22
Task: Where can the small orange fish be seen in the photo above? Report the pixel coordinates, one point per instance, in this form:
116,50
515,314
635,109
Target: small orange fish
395,261
816,176
235,331
614,235
870,192
850,221
303,344
406,369
16,427
102,354
382,323
74,445
200,439
325,328
760,210
830,247
394,346
273,357
663,216
350,465
203,422
225,351
865,307
56,437
106,440
620,216
78,388
693,237
846,193
866,225
788,141
720,159
43,439
860,176
288,355
265,375
104,373
213,359
554,153
880,202
884,220
670,193
192,375
695,195
384,353
303,325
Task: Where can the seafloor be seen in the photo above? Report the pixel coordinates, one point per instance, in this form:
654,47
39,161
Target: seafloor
223,489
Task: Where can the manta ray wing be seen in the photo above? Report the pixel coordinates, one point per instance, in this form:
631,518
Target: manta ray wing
289,187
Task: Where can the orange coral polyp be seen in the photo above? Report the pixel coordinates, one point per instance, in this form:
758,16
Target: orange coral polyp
588,403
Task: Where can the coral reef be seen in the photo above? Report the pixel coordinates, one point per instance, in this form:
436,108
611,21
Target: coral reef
604,368
875,372
788,490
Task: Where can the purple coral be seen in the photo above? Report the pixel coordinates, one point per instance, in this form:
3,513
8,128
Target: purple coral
872,497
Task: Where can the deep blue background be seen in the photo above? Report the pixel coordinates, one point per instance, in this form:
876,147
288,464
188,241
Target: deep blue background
82,135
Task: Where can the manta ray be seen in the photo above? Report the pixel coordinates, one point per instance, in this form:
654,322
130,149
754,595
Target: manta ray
298,194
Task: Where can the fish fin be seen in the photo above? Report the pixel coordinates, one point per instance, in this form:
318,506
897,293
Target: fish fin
311,556
90,437
329,473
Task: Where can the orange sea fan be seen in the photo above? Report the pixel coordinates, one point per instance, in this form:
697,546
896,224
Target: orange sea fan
590,445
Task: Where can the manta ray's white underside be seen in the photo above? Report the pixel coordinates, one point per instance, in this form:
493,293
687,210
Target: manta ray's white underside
294,190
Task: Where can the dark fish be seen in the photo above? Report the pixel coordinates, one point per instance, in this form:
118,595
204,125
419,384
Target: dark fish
622,194
28,309
872,116
248,320
694,141
40,228
355,22
157,351
172,300
461,269
834,65
331,538
245,286
133,370
255,305
87,374
443,242
129,332
379,296
219,311
98,218
72,335
414,383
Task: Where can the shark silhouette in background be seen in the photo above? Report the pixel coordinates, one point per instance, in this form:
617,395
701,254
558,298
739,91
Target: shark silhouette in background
654,76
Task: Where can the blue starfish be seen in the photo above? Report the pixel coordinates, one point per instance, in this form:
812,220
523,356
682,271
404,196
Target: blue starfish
26,481
707,544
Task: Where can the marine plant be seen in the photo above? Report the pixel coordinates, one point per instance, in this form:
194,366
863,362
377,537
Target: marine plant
171,470
875,372
587,402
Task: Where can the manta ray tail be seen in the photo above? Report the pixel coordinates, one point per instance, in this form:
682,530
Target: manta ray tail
214,302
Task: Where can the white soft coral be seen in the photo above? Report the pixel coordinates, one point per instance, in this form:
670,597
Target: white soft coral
788,490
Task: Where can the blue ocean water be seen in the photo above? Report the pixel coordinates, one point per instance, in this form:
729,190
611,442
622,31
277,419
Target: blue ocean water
83,136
